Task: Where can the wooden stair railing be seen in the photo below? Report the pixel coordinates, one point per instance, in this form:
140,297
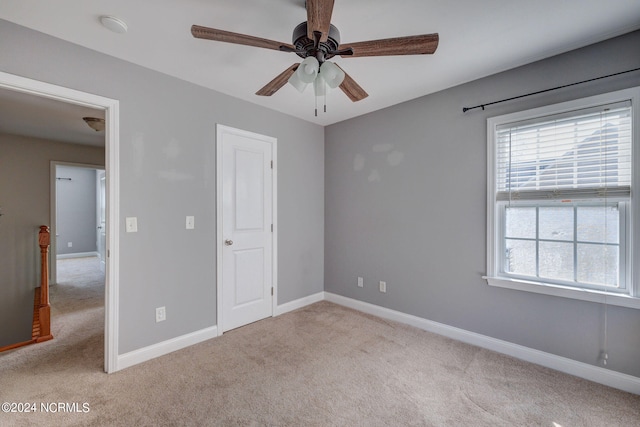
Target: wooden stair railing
44,310
41,326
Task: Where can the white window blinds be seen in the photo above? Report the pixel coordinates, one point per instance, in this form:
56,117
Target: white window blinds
583,154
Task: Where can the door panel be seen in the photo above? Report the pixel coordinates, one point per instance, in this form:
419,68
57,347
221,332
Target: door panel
250,284
249,190
247,251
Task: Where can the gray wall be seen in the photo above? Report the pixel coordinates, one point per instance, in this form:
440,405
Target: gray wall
76,210
25,202
167,171
406,203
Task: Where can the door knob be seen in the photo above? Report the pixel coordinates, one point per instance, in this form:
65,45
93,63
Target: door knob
228,242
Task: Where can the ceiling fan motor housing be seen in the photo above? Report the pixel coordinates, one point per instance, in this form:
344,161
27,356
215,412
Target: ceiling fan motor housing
305,47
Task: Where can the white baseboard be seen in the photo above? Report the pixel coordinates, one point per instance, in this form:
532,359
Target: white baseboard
160,349
596,374
299,303
77,255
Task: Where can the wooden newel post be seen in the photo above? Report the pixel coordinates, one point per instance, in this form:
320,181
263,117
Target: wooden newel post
44,240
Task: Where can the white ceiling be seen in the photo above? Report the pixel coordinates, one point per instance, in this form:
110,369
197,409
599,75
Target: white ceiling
477,38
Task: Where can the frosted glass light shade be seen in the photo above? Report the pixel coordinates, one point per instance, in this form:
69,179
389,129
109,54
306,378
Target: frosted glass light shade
332,74
295,81
308,69
320,86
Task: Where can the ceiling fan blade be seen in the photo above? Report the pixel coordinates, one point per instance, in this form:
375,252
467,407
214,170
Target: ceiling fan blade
274,85
229,37
319,18
409,45
351,88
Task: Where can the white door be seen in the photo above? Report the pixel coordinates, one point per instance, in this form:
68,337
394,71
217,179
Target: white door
246,232
101,202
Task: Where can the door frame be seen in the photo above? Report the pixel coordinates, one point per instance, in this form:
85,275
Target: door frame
112,168
101,218
53,248
220,131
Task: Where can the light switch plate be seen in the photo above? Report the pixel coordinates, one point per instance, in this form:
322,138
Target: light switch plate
191,223
132,224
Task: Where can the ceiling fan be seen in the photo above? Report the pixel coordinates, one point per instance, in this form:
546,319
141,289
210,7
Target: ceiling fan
316,41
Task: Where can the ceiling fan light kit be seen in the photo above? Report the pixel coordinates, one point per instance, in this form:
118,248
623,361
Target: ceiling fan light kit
311,71
320,74
316,41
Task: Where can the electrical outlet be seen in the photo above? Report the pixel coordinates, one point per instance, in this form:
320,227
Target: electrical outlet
383,286
161,314
604,356
191,223
360,282
69,244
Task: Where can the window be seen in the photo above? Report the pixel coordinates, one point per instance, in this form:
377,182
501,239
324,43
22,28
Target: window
560,208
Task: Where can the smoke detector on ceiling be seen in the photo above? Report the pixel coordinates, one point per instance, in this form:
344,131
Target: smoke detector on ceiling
114,24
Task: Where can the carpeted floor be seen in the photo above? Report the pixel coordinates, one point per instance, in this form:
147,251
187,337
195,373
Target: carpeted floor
323,365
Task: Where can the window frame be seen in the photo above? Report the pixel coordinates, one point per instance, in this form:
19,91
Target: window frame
630,223
623,262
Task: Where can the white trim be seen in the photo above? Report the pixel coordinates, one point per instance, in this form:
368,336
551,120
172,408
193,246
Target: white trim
274,220
219,230
493,217
220,130
112,294
299,303
165,347
112,167
596,374
565,292
156,350
77,255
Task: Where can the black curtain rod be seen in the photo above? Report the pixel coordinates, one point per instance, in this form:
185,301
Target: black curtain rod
465,109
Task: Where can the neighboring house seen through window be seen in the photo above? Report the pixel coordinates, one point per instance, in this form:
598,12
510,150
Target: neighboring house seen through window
560,208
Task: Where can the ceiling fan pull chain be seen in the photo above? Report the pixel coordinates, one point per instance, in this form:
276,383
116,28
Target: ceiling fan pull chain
325,101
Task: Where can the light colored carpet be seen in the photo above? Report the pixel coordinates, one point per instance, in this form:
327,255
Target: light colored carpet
323,365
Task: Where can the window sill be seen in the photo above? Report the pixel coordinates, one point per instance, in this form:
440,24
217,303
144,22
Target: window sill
565,292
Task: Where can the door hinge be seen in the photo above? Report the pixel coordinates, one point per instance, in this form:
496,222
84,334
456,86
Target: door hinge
272,228
271,291
271,164
108,253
